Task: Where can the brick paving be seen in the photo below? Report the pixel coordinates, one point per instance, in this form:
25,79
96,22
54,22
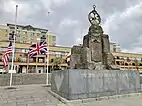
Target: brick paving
37,95
128,101
34,95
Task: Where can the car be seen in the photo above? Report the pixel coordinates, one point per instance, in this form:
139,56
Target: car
12,71
3,71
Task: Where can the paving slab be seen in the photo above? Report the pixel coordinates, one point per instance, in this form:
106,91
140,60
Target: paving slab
27,95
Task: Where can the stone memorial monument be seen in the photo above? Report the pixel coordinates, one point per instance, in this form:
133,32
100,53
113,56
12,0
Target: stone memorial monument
91,74
95,51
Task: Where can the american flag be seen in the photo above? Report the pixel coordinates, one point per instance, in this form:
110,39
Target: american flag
5,57
38,48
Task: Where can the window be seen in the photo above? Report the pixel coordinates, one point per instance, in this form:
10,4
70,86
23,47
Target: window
43,31
12,27
10,58
117,57
133,64
26,50
126,64
0,59
32,35
23,59
31,60
140,64
117,62
18,32
52,60
54,38
2,49
23,50
25,32
40,60
122,63
58,54
38,34
128,59
39,71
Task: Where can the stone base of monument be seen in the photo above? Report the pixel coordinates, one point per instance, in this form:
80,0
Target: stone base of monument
74,84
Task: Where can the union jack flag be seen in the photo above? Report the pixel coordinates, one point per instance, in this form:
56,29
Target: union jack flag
5,57
38,48
68,58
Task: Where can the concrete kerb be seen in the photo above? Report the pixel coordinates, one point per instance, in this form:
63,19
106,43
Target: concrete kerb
49,85
65,101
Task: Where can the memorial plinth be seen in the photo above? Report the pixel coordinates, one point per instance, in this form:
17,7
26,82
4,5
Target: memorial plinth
75,84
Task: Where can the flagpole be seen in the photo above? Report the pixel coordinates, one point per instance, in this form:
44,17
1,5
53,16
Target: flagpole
13,50
47,82
47,60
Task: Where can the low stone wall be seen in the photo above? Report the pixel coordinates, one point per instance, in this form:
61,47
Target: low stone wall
75,84
141,79
24,79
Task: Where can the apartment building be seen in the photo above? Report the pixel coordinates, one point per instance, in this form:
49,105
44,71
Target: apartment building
114,47
128,61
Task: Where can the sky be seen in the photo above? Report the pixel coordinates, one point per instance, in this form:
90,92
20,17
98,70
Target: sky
68,19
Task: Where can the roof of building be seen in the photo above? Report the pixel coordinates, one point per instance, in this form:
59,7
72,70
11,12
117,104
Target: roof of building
27,26
123,54
3,26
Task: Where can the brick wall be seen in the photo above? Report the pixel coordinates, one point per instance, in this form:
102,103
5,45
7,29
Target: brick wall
24,79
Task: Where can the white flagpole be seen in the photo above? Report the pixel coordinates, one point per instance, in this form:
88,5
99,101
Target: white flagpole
13,50
47,57
47,60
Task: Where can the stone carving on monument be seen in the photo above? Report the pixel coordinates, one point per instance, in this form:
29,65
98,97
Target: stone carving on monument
95,51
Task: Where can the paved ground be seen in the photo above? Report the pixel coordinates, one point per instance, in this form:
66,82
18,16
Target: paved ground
130,101
34,95
37,95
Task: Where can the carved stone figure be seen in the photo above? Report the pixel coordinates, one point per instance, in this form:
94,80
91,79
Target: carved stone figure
95,51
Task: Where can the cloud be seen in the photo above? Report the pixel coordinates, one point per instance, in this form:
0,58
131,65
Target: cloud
126,25
67,22
68,19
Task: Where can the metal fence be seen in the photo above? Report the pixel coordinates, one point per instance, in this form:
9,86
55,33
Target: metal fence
76,84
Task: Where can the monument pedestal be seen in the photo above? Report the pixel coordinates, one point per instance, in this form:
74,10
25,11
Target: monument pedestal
75,84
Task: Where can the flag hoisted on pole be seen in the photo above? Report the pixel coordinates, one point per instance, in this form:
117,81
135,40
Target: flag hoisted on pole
13,50
68,59
38,48
5,57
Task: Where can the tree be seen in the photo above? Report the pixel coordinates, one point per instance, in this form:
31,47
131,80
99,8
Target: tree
136,64
56,63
